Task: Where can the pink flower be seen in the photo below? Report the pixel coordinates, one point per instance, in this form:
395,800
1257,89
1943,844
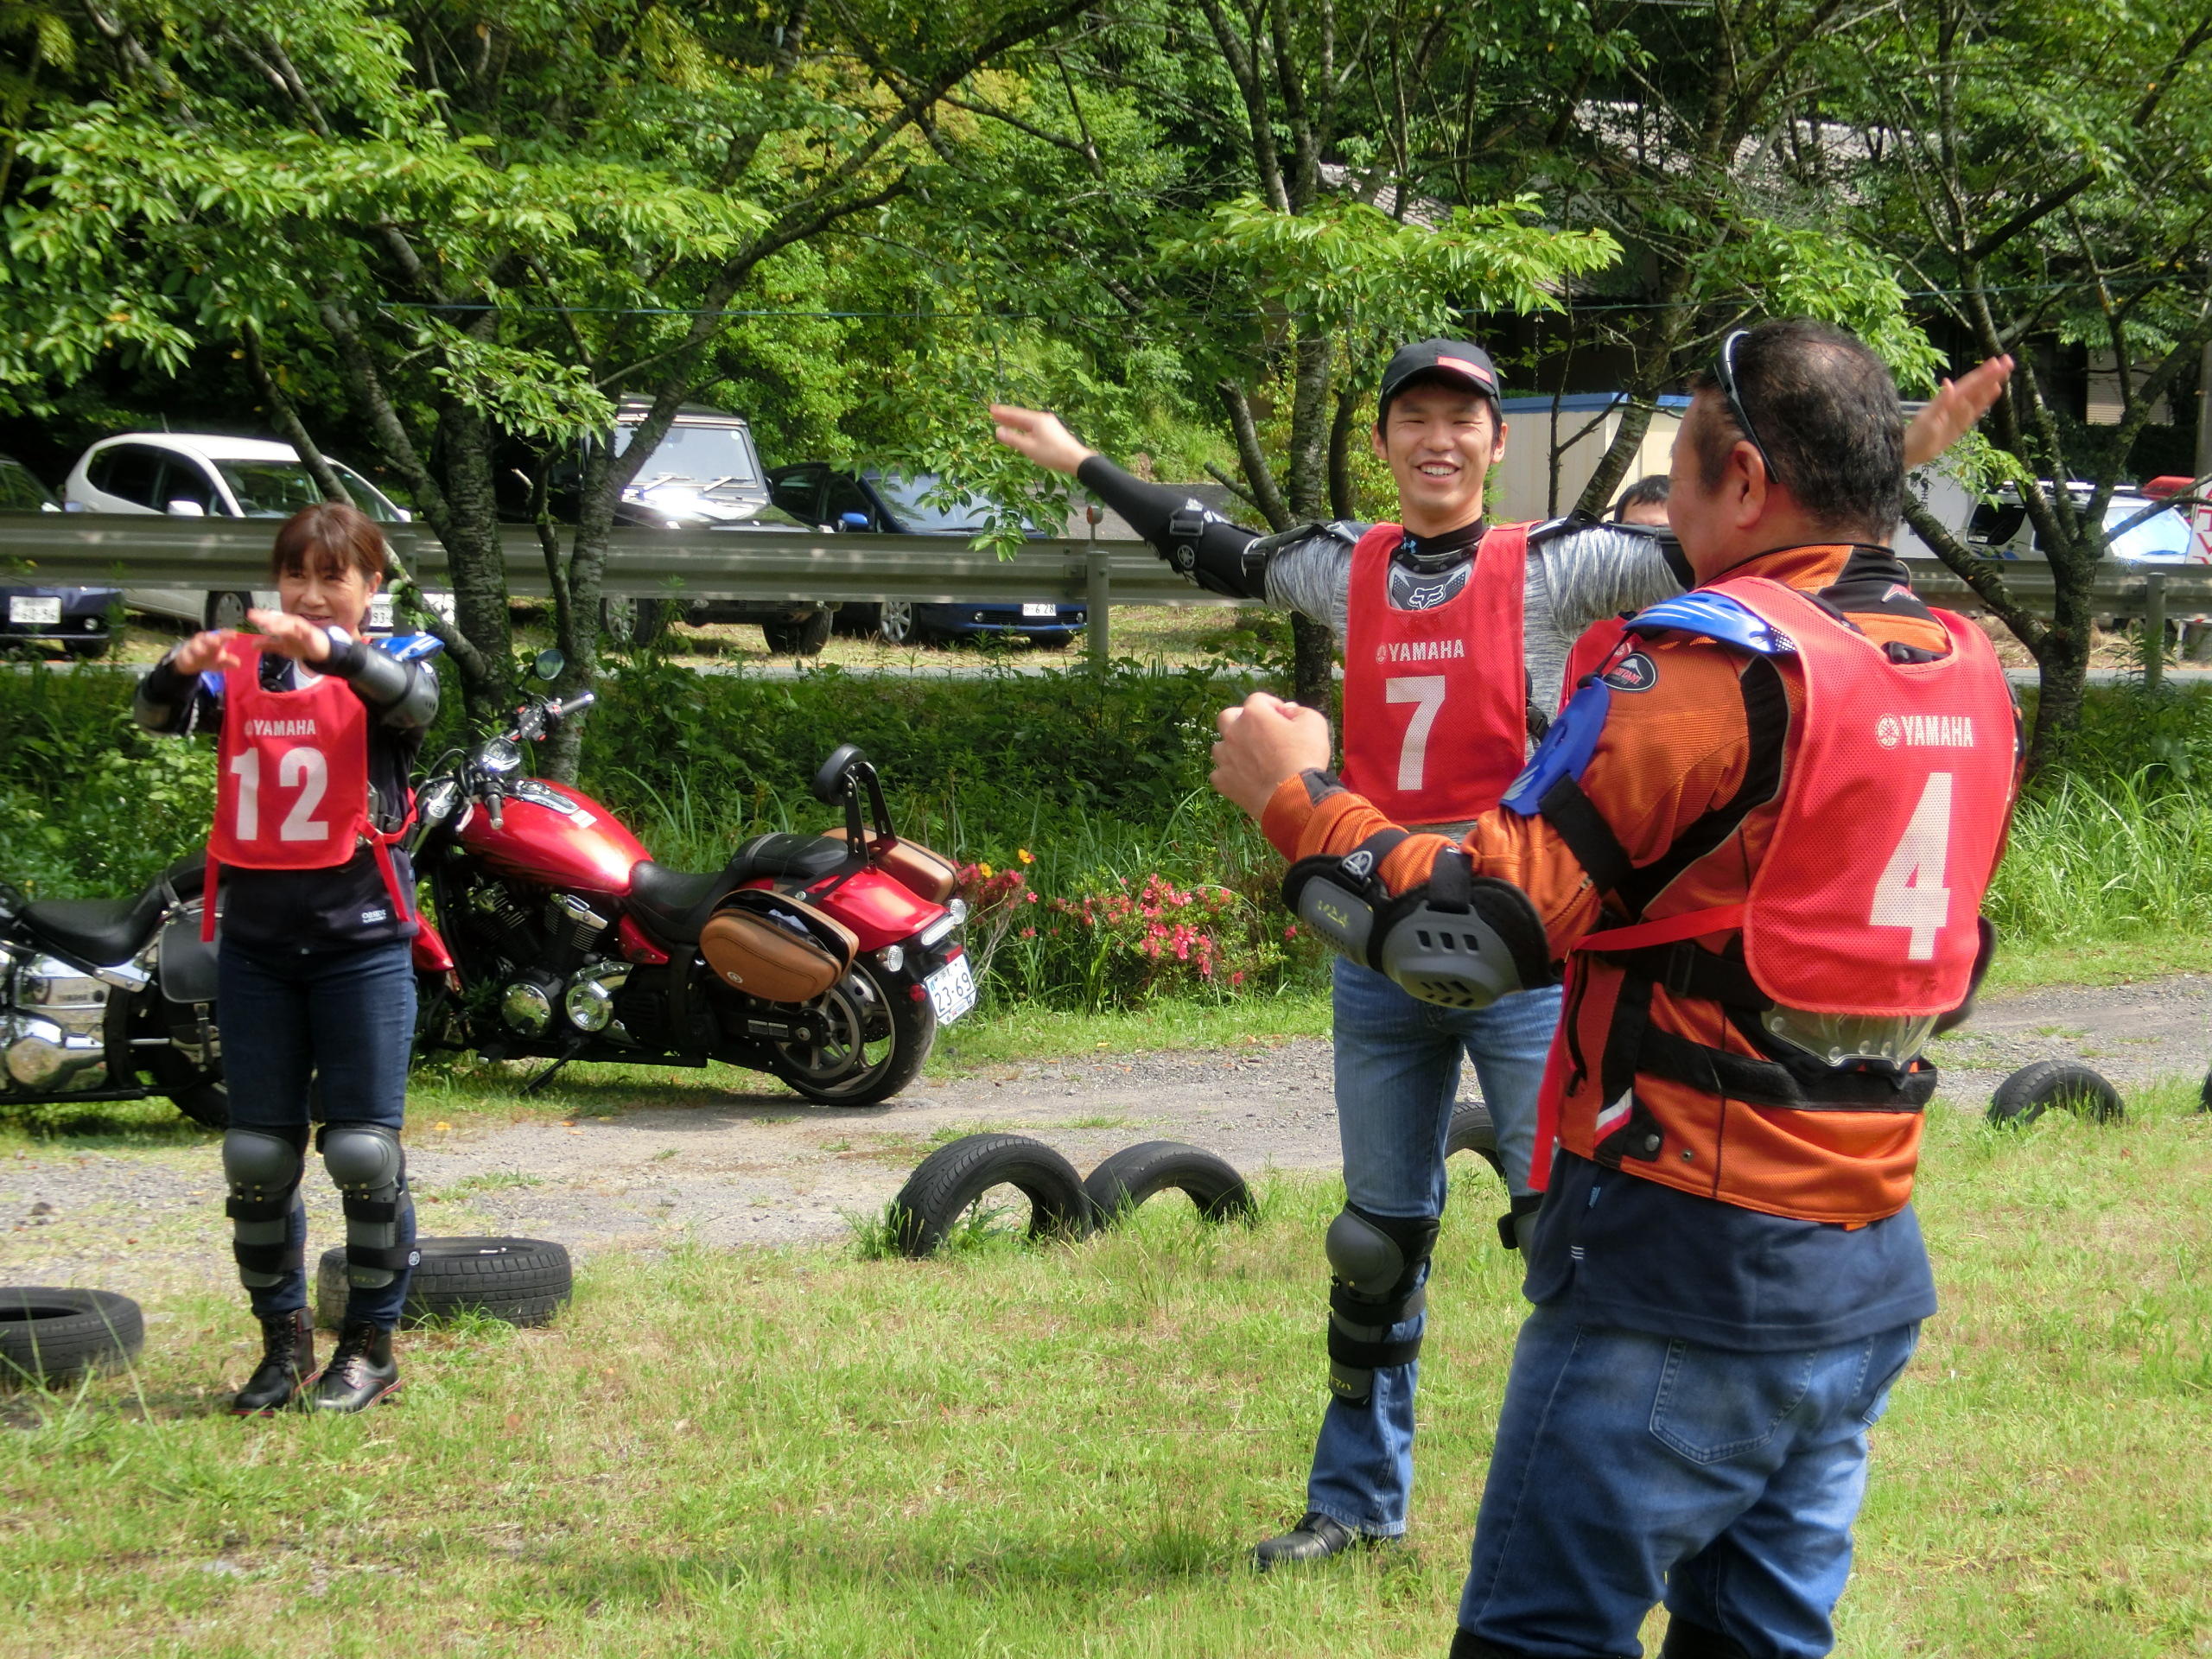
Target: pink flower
1237,978
1028,932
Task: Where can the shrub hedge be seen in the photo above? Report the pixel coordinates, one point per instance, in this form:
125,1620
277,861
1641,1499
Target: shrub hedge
1134,881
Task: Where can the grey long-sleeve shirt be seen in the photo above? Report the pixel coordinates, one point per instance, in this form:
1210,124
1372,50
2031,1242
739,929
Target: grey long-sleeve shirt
1579,572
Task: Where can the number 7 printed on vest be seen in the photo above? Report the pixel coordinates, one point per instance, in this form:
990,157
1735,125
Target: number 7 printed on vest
1910,894
1425,692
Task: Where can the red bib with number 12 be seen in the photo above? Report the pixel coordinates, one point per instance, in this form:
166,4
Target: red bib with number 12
1900,786
292,787
1436,700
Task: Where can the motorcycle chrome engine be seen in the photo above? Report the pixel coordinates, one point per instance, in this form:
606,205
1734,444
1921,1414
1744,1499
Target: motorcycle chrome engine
53,1035
590,1000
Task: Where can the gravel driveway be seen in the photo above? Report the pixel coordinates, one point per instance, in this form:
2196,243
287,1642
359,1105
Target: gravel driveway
760,1169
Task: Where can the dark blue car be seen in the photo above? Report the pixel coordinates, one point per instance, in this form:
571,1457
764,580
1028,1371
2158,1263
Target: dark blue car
79,621
821,494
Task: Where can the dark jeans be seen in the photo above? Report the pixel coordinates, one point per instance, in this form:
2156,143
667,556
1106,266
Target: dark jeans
327,1033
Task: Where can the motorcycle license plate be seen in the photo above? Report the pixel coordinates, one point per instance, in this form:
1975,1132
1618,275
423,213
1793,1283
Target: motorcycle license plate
32,609
1041,610
952,990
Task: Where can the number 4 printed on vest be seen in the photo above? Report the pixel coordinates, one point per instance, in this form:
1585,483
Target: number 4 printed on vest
1910,894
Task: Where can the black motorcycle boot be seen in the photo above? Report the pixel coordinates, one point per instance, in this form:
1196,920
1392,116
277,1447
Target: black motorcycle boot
361,1371
287,1365
1315,1538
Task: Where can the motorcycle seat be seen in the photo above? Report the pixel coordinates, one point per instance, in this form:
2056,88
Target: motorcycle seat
674,904
105,931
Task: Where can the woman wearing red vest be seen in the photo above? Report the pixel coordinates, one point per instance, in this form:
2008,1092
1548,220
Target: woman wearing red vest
1759,839
317,729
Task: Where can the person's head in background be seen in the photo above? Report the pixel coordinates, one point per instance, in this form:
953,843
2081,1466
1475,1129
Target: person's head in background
1644,502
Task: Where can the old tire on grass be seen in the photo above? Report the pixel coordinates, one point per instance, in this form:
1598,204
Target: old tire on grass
49,1336
1472,1131
1137,1173
520,1281
2034,1090
944,1184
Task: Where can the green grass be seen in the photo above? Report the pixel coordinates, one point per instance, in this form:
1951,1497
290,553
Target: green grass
1066,1450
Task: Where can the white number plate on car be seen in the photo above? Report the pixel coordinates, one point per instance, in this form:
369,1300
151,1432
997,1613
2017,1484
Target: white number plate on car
31,607
952,990
1041,610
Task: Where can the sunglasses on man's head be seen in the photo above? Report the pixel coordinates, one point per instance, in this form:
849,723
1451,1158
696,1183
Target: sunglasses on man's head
1723,371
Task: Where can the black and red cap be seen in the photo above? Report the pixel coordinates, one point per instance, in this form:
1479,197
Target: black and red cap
1455,361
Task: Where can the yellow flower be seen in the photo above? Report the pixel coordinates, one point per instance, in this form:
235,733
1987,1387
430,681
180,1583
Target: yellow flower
984,870
1025,855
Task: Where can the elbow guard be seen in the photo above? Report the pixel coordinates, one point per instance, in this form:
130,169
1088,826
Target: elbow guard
1459,939
1219,557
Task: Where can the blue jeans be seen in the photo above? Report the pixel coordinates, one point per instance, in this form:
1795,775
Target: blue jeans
1397,1075
326,1032
1630,1468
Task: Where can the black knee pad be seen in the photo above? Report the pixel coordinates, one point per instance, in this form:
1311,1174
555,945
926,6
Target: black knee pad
1376,1265
370,1172
1688,1640
261,1169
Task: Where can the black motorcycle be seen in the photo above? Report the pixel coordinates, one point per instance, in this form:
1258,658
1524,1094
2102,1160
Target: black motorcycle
111,999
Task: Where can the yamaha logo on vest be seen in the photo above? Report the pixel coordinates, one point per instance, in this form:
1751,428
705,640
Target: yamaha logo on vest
1925,731
1421,651
282,728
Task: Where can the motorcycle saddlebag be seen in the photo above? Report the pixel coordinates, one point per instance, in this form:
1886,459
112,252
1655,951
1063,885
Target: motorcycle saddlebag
779,949
927,876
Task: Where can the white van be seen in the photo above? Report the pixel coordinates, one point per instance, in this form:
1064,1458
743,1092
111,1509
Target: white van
203,474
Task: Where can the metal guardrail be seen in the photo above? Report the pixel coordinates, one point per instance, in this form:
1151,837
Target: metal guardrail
131,551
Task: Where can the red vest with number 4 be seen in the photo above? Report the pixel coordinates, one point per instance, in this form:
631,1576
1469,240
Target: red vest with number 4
292,787
1863,909
1436,723
1893,816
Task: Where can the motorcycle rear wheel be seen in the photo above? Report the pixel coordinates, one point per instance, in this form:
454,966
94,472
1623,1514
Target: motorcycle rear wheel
880,1034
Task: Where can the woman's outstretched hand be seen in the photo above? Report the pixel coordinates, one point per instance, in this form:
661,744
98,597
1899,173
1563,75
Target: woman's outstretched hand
291,636
1039,435
205,650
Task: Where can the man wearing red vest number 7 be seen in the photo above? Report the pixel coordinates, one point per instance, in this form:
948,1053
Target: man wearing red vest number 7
317,730
1455,632
1759,839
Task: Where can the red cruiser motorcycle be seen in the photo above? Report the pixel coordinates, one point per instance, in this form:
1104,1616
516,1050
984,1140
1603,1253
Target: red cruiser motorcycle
829,960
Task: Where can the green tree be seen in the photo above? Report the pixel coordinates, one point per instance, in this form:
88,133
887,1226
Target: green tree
481,227
2041,170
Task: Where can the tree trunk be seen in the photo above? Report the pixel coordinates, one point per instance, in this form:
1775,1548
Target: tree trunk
1314,647
1628,438
476,565
2062,654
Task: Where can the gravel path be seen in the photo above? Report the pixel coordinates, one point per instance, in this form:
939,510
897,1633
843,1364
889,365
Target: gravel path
759,1169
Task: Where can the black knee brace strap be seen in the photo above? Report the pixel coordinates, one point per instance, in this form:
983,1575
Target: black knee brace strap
1508,1225
1377,1265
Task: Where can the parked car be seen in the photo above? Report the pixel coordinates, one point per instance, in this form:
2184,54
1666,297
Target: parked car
705,474
872,500
200,475
2002,529
77,620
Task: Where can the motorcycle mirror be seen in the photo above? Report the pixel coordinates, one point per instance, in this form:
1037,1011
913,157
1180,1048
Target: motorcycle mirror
549,664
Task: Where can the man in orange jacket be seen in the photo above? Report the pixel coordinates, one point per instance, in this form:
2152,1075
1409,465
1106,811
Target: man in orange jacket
1759,839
